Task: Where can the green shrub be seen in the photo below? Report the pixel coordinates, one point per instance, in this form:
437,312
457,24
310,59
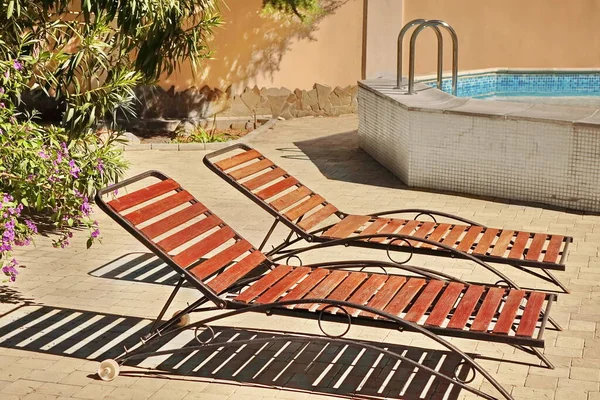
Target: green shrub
46,179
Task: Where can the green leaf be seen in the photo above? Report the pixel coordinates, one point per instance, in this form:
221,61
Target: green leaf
10,9
89,243
70,221
25,202
70,113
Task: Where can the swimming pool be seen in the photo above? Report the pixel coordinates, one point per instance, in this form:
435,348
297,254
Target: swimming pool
495,139
580,89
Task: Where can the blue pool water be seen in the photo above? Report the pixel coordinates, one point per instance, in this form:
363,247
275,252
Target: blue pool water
576,89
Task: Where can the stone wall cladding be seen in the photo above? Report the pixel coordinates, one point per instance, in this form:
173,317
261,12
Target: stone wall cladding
544,162
194,103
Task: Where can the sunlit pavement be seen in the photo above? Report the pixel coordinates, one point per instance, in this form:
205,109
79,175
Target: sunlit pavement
72,308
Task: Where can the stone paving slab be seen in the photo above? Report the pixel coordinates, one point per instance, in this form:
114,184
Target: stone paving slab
95,287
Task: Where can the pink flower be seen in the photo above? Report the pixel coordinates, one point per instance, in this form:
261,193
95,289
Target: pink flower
17,65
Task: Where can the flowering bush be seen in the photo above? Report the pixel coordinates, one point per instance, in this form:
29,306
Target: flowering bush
46,180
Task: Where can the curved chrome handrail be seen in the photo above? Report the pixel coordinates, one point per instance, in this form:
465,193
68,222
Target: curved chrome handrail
440,39
413,39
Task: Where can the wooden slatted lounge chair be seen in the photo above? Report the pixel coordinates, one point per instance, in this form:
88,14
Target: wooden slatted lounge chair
314,219
237,278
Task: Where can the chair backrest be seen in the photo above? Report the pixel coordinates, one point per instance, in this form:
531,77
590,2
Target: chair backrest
272,188
180,230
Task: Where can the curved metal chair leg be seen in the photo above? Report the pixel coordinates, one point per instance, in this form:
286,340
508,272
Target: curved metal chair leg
533,351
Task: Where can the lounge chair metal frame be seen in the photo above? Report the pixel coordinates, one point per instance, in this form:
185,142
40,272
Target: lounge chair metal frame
360,240
232,305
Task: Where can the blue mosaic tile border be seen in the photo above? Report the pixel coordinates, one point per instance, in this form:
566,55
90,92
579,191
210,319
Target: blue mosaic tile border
513,84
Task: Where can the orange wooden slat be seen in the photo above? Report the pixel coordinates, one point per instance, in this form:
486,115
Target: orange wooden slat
509,311
282,286
316,275
445,304
263,179
488,309
374,226
251,169
155,209
142,195
263,283
187,234
403,298
453,235
276,188
553,250
347,226
465,307
519,246
426,298
346,288
218,261
424,229
366,291
421,232
536,246
207,244
531,314
436,235
174,220
238,159
391,228
304,207
409,227
237,271
469,238
317,217
385,294
324,288
290,198
486,241
502,243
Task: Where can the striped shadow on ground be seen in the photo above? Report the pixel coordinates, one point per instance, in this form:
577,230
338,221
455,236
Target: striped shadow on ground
293,363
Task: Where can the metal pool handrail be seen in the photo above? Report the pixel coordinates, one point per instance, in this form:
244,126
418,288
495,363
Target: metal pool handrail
440,39
411,67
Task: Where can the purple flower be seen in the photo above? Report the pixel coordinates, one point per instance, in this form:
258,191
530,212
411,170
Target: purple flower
100,166
7,74
2,105
17,65
65,149
85,208
31,225
7,198
95,233
43,155
74,171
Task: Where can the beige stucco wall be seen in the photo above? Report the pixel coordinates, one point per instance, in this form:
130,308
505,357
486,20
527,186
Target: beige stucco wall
253,49
511,33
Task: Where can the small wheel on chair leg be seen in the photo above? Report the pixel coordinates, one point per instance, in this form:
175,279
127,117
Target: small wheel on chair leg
108,370
184,320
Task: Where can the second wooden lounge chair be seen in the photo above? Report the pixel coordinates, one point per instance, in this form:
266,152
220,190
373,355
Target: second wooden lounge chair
315,220
237,278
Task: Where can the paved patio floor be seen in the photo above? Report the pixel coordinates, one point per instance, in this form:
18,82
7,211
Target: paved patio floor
71,308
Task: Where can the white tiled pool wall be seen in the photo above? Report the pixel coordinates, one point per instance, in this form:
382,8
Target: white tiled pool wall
553,163
387,137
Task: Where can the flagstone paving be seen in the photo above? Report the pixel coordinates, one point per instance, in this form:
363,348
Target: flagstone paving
100,289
